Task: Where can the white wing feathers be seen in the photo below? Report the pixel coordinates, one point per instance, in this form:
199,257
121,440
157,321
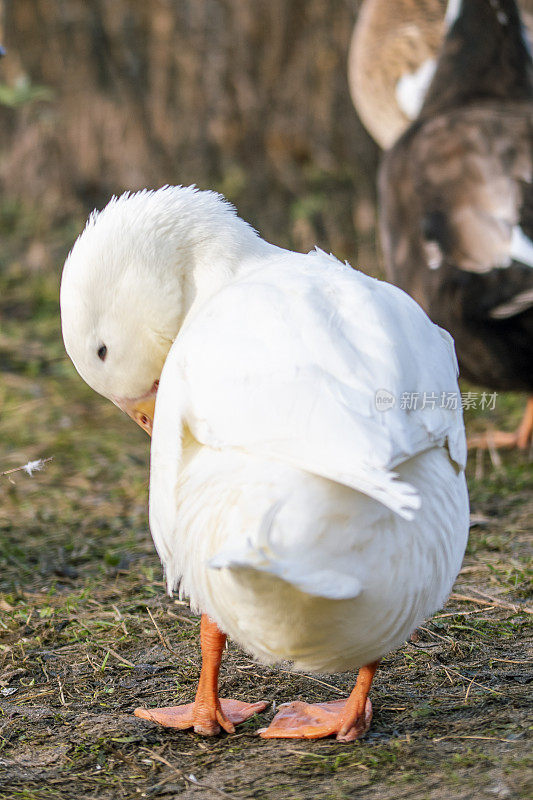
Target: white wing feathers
300,568
165,460
285,363
412,87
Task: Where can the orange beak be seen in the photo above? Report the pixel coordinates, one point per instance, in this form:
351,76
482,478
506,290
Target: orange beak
141,410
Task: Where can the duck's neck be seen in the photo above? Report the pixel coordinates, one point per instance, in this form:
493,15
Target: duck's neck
219,257
484,57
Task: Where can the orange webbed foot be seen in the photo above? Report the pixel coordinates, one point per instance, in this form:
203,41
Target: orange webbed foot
497,440
205,720
208,714
494,440
299,720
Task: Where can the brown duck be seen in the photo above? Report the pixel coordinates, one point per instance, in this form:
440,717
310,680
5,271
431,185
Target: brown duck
392,59
456,201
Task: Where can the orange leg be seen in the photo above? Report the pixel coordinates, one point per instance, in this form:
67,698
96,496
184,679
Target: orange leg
348,719
524,434
208,714
504,439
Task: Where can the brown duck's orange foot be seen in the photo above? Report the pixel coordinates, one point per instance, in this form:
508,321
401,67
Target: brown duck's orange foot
520,438
498,440
205,721
299,720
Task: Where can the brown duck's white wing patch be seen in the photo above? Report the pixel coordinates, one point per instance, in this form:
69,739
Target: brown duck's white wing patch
488,231
486,210
521,247
517,305
483,242
412,87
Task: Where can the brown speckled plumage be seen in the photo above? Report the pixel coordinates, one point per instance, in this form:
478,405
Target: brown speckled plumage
392,38
454,186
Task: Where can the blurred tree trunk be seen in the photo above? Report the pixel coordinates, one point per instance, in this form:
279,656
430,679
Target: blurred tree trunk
247,97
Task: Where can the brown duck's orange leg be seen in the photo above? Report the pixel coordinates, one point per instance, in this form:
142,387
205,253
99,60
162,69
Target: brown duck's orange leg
208,714
524,434
347,719
505,439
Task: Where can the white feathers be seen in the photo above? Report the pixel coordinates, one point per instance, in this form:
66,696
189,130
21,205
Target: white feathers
128,281
453,9
412,87
284,363
34,466
29,468
516,305
433,253
309,525
281,367
305,574
521,247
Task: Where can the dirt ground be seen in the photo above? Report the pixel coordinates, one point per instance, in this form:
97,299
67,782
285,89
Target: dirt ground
87,633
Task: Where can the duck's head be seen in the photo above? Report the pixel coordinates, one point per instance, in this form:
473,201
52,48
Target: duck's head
131,278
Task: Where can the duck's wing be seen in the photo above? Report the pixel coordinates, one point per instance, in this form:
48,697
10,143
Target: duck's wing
470,208
316,365
305,561
312,364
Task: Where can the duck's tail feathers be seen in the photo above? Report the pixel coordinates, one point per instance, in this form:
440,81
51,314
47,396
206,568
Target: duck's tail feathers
290,566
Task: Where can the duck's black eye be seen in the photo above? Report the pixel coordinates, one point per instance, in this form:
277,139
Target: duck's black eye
102,352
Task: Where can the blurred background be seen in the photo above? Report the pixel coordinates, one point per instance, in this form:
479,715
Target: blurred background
249,98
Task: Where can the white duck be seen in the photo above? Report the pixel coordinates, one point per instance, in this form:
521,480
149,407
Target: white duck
298,516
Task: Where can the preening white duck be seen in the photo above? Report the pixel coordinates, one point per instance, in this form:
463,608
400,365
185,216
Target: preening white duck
300,502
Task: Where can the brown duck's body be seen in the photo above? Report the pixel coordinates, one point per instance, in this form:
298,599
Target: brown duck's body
496,354
456,190
392,39
449,191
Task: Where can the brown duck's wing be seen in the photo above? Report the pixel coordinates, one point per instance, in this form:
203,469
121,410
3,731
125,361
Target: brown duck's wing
518,296
456,192
452,192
